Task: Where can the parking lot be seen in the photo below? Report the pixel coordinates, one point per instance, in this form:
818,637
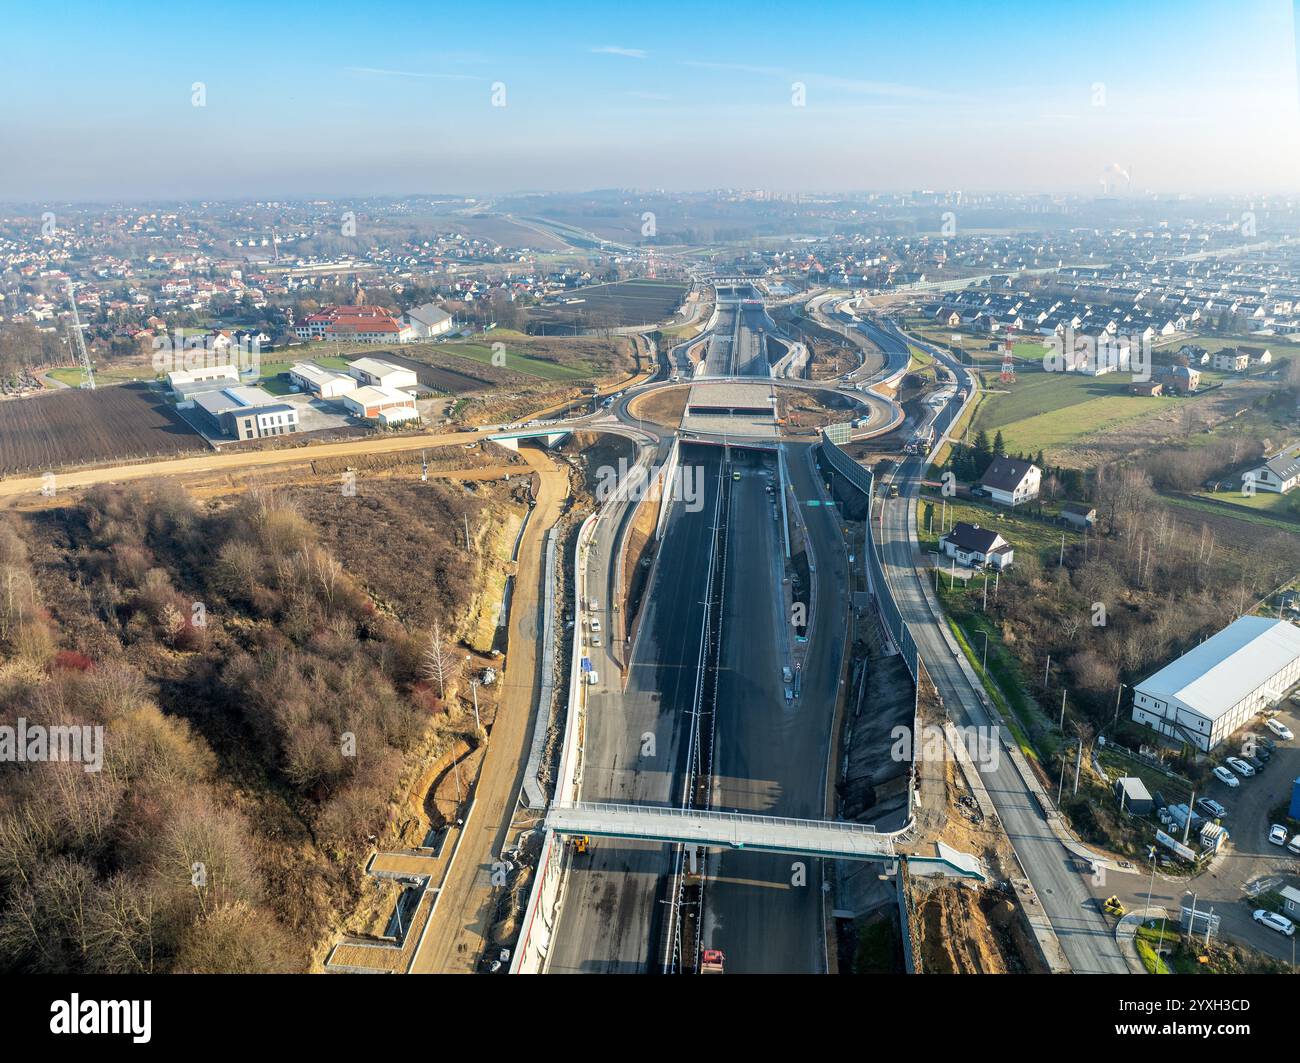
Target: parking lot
1250,862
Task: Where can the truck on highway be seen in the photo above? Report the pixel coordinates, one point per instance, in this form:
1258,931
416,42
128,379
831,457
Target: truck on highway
712,961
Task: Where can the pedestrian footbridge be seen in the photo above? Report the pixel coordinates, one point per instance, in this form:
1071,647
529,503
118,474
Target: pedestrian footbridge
832,839
723,830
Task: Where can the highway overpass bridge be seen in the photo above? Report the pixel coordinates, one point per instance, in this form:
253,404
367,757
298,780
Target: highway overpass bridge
830,839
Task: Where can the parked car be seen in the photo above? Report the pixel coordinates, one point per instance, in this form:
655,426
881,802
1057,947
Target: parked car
1280,729
1211,808
1294,845
1239,766
1273,921
1226,777
1254,762
1277,834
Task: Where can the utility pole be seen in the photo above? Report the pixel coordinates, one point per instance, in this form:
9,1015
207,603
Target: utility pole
984,660
1119,694
986,592
1061,562
1063,712
1078,763
1047,669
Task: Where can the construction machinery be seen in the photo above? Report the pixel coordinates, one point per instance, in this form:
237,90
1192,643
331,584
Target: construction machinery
712,961
1112,906
580,843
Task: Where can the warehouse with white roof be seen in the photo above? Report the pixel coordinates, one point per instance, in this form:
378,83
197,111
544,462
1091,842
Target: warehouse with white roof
1214,689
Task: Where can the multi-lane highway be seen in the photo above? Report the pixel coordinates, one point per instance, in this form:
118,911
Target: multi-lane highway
769,747
765,911
612,918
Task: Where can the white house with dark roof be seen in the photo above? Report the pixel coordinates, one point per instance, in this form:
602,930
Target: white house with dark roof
1279,473
1011,482
972,545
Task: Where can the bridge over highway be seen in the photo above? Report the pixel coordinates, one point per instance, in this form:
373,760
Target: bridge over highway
832,839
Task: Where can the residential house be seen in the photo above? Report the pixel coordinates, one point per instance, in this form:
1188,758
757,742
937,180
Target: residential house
1180,379
1231,361
428,321
1010,482
972,545
1279,473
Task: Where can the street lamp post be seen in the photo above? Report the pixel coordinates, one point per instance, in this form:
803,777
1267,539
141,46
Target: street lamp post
984,659
1119,694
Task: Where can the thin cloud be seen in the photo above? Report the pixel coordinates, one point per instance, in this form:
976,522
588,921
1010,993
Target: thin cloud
372,71
656,96
856,86
614,49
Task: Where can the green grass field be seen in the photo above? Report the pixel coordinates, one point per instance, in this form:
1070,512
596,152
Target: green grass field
1027,534
1042,410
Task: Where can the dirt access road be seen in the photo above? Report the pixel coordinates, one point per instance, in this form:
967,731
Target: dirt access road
463,912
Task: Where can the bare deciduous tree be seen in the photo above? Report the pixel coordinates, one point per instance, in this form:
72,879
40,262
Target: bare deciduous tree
439,660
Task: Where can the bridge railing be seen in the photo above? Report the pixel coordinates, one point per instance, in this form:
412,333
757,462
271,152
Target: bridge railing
669,812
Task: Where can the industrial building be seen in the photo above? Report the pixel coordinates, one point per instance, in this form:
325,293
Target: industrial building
323,383
1216,688
212,375
246,413
382,404
373,371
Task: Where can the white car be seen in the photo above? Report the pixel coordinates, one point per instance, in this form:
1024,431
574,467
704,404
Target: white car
1273,921
1239,766
1277,834
1226,777
1280,729
595,626
1294,845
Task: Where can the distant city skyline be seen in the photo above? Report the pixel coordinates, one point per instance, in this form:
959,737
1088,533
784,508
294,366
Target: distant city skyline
164,102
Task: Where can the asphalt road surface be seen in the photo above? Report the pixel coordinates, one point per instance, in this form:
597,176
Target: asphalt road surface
612,919
765,910
1085,935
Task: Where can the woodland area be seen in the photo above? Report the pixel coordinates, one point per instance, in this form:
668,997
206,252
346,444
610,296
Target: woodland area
259,709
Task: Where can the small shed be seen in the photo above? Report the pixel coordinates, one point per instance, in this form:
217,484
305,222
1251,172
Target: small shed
1291,900
1133,794
1079,514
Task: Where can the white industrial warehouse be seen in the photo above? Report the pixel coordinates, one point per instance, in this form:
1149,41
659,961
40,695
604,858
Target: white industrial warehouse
1212,690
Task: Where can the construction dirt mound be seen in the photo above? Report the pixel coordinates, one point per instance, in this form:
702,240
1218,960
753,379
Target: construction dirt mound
962,930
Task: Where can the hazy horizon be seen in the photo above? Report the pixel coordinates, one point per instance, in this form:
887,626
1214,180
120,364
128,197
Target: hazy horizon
319,100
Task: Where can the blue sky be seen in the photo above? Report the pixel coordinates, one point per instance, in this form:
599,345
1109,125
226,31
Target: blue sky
333,99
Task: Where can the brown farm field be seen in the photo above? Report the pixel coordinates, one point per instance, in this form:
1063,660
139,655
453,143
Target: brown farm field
75,427
634,302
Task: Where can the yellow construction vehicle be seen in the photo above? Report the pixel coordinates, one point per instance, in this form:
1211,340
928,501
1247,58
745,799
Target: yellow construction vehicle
580,843
1113,906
